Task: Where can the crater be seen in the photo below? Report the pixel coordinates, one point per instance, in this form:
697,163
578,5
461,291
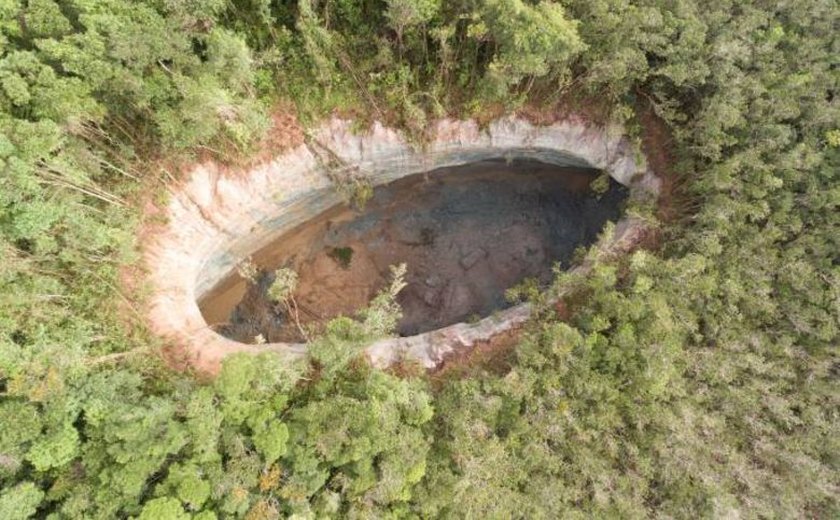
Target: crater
472,212
466,233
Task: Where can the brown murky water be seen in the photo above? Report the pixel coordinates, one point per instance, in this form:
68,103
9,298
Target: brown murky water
467,234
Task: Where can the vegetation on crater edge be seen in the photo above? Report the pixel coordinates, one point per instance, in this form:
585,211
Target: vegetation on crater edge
697,380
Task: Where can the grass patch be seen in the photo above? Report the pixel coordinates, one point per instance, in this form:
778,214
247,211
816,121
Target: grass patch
343,256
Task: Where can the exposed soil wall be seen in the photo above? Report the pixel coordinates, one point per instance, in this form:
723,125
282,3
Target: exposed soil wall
216,219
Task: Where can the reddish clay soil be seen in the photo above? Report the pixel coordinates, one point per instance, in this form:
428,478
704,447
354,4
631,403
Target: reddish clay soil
658,147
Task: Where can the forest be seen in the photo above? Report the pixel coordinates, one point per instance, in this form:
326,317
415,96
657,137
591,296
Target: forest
698,377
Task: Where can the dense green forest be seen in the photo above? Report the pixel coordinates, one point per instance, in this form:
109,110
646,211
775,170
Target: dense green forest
695,378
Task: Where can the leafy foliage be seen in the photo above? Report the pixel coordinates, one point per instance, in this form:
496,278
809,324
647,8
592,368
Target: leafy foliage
699,380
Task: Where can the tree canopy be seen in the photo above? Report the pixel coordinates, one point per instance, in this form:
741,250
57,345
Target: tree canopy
695,378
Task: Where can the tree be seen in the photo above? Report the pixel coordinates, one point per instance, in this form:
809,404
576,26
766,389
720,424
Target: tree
406,14
529,41
20,502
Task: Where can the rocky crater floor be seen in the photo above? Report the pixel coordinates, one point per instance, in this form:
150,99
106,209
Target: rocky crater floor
466,233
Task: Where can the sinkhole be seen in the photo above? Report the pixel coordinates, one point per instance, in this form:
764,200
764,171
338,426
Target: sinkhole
473,211
466,233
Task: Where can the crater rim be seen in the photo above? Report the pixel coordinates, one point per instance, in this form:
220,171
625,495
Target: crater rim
218,217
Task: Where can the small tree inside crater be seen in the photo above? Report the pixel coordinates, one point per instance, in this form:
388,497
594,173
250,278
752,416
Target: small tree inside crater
282,291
